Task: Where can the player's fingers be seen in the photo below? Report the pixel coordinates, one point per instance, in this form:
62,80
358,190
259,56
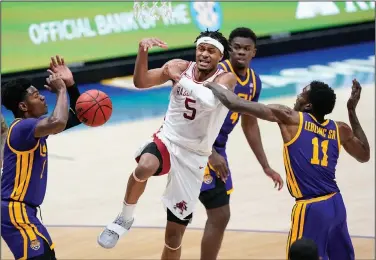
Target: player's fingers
222,173
53,61
62,61
58,59
47,87
163,46
50,71
280,184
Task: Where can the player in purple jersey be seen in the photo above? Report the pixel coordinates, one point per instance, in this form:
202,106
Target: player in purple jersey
24,177
311,150
215,191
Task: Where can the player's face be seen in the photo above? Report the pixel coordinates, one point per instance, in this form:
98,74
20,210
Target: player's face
207,57
302,102
242,52
35,103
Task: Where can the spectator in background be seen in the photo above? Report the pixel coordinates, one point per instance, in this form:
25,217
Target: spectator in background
4,131
304,249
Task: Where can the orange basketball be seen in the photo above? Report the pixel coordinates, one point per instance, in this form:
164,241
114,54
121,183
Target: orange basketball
94,108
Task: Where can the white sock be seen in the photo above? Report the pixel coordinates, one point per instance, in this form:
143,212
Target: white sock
128,210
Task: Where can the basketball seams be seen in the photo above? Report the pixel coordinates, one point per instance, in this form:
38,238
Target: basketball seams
82,114
95,114
98,101
95,99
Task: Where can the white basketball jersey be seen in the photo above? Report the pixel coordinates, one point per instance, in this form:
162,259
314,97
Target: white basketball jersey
188,122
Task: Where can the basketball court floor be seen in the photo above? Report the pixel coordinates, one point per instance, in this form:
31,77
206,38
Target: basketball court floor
89,169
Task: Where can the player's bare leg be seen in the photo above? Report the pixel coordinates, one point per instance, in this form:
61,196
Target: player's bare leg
173,239
216,224
147,166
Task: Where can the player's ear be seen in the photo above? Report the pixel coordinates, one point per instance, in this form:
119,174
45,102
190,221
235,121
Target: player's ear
254,52
307,107
22,106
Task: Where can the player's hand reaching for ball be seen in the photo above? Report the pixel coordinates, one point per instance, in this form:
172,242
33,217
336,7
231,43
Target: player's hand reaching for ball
219,164
58,66
149,43
55,83
277,179
356,89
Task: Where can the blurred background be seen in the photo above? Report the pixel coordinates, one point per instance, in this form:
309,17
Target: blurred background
297,42
99,42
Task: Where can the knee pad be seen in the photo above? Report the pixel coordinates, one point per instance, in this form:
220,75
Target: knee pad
172,249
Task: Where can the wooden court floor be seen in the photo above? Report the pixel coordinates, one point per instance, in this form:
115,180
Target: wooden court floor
147,243
86,186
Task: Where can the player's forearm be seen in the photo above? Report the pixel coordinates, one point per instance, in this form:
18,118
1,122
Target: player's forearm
59,116
141,69
252,134
237,104
359,133
198,92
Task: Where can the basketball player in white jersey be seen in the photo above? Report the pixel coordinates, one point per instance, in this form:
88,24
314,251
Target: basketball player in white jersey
184,142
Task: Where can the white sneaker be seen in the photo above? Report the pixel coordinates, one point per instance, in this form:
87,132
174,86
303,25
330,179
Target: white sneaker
111,234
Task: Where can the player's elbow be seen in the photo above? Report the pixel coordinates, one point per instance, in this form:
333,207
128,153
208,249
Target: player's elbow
56,124
139,83
364,158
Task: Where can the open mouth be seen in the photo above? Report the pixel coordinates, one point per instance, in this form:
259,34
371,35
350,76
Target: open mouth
241,60
204,63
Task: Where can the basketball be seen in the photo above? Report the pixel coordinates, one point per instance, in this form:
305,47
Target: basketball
94,108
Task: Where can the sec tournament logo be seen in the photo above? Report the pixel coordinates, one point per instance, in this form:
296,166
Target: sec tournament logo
207,15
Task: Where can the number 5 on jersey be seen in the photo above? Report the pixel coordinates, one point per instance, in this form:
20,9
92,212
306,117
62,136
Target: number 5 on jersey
188,106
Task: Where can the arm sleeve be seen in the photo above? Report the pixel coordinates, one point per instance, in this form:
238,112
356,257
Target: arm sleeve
73,94
258,89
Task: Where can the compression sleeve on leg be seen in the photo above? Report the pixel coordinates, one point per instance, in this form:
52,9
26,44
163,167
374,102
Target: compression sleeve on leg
199,92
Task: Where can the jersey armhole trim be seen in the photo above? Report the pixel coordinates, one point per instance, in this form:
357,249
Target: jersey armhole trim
223,66
14,150
254,81
189,65
298,132
338,137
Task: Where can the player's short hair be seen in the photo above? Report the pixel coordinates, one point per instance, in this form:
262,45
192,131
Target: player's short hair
14,92
243,32
322,98
219,37
304,249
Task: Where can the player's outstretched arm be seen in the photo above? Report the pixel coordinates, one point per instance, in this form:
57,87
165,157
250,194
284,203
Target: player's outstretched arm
58,66
145,78
226,80
273,113
57,121
353,139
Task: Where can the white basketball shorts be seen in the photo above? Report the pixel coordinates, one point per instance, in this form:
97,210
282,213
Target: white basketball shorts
185,175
